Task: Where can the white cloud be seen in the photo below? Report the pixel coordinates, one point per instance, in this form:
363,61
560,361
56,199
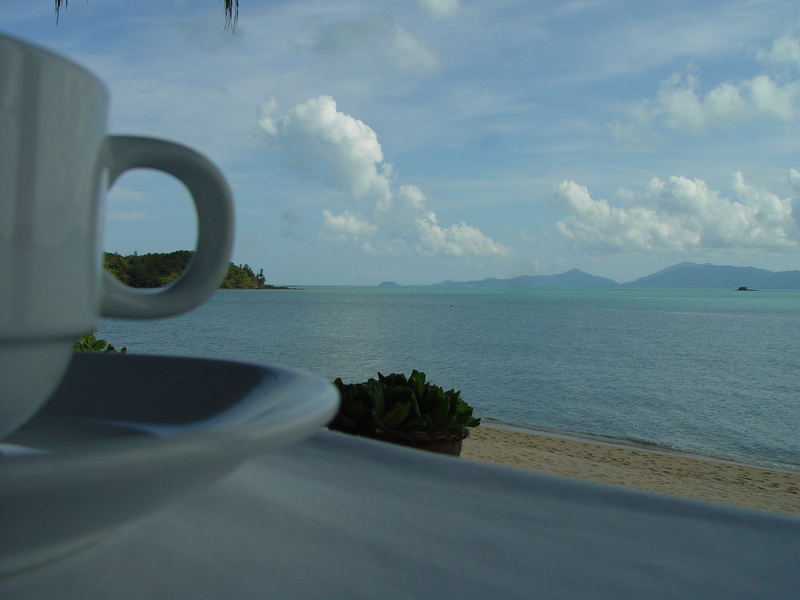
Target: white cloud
346,226
440,8
345,153
409,218
377,39
784,50
678,214
794,179
680,104
771,98
266,116
333,146
794,183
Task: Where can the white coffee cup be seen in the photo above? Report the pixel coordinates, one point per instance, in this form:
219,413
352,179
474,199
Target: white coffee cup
56,163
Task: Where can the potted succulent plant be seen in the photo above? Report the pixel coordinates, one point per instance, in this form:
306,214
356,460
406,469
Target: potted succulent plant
88,343
405,410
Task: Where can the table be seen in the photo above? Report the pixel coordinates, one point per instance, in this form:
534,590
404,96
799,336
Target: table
342,517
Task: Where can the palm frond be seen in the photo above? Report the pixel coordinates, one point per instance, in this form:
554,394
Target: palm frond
231,12
58,7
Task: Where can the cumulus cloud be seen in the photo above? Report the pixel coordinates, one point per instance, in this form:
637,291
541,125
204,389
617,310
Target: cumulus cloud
409,218
794,179
771,98
681,104
794,183
678,214
378,39
266,120
331,145
346,226
345,153
783,51
440,8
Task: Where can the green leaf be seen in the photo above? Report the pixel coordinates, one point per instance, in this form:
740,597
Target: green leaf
400,403
89,343
441,412
396,416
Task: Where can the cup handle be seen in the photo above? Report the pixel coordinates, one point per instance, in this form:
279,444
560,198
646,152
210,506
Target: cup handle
214,204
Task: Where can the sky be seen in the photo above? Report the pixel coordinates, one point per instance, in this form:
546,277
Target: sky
421,140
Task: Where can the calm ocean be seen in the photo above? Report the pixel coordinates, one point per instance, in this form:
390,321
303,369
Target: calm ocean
715,372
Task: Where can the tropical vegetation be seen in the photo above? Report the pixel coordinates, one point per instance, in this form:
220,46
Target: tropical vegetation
396,403
89,343
157,269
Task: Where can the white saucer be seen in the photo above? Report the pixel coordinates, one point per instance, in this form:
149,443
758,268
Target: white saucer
124,434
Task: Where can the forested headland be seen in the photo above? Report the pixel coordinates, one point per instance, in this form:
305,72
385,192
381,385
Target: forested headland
159,268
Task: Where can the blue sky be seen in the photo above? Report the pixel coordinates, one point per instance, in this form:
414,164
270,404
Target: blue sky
418,141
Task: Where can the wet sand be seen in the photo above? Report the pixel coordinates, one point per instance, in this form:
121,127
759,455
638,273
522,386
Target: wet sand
637,467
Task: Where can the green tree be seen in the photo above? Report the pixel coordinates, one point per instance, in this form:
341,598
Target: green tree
158,268
242,277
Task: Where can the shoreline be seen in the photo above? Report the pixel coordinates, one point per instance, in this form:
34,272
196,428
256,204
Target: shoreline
636,444
639,466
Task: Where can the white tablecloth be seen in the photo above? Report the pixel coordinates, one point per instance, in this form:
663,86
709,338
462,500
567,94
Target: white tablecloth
341,517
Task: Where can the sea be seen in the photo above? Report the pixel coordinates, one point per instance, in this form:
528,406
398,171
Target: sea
711,372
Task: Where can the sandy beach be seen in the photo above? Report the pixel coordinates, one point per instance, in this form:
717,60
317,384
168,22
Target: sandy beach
637,467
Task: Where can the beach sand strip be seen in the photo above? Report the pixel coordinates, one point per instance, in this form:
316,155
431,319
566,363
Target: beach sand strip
636,467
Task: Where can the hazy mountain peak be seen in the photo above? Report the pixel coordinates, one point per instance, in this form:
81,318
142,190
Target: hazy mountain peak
710,276
681,275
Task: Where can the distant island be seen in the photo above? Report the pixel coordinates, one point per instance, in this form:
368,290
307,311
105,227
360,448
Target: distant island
686,275
708,276
572,278
388,284
157,269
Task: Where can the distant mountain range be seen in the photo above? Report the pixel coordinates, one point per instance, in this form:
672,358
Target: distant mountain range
573,278
708,276
682,275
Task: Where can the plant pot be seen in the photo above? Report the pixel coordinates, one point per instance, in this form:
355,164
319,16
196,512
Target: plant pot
441,443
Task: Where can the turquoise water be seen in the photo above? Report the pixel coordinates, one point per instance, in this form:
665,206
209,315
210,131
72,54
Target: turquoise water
715,372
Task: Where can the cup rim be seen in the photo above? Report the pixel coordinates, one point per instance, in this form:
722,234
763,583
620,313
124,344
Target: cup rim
35,48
